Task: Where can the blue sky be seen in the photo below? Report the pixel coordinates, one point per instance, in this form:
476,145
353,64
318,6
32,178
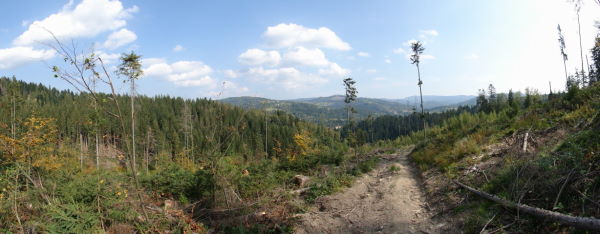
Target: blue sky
292,49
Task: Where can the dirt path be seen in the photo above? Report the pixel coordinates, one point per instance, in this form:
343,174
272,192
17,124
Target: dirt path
383,201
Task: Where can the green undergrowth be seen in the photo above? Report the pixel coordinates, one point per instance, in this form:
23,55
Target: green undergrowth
343,175
564,145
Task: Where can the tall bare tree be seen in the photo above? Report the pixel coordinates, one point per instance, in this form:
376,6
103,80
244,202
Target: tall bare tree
131,68
578,4
561,42
415,58
83,69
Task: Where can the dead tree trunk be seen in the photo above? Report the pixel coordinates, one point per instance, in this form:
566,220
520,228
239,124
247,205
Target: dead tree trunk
97,152
81,151
579,222
525,142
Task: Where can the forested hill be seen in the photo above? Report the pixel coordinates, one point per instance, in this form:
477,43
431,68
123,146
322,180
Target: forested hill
435,102
330,111
165,125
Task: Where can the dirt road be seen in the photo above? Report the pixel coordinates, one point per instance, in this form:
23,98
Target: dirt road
386,200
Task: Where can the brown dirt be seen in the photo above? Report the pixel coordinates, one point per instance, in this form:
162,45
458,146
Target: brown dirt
382,201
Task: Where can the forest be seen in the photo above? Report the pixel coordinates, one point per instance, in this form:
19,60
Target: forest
101,156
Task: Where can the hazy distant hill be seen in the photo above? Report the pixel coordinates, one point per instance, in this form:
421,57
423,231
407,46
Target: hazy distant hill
331,111
433,102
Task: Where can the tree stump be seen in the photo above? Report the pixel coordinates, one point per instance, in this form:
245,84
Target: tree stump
301,180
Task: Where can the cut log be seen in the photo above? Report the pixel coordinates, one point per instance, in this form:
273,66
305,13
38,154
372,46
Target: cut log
299,191
579,222
525,142
301,180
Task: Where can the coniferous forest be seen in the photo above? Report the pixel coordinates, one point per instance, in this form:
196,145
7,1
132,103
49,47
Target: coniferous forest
101,156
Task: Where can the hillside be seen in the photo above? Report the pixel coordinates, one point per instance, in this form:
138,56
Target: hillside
432,102
191,154
331,111
535,150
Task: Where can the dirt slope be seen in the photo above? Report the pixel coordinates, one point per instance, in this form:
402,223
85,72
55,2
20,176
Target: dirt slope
383,201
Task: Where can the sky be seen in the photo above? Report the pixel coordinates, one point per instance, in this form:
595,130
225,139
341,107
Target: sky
304,48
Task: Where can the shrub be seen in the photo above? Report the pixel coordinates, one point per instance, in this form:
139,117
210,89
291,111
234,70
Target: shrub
171,180
177,182
72,218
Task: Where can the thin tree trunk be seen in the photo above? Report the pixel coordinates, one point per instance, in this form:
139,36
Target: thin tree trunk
13,128
525,142
421,94
15,204
566,75
146,157
97,152
580,46
192,138
266,135
81,151
133,166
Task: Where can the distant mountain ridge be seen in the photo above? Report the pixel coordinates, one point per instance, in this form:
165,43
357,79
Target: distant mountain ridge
330,111
436,101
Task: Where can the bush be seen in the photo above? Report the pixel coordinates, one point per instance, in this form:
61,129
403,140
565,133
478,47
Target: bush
72,218
177,182
172,180
326,186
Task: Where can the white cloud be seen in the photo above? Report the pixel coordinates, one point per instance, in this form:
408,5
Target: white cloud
387,61
258,57
371,71
363,54
472,56
178,48
297,61
379,78
89,18
292,35
230,73
423,57
334,70
119,38
108,58
427,57
400,51
409,42
229,89
15,56
307,57
428,34
288,78
181,73
151,61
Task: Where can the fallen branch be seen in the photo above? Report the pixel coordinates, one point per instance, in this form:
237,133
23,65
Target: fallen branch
587,198
579,222
486,224
561,189
300,191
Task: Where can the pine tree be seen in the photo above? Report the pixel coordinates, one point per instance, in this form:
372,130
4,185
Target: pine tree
561,41
415,58
131,68
350,95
